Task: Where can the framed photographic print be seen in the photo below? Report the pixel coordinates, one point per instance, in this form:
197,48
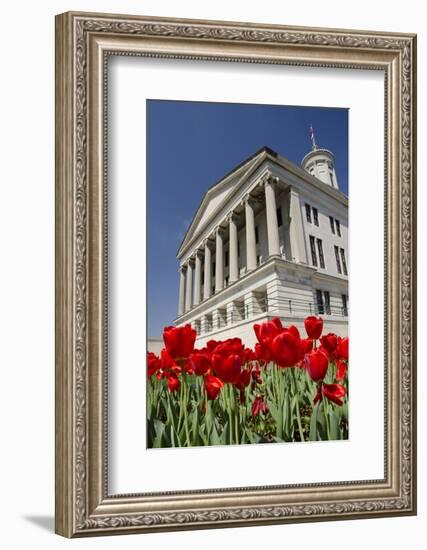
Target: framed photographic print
235,274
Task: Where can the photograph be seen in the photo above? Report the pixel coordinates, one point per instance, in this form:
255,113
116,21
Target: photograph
248,267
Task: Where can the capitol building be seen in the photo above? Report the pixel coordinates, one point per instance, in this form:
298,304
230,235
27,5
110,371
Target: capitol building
269,239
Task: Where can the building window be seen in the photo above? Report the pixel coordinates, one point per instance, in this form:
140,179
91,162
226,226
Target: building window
316,216
327,302
338,228
313,251
320,251
308,212
344,264
331,221
337,258
323,302
344,299
319,302
256,235
226,258
279,217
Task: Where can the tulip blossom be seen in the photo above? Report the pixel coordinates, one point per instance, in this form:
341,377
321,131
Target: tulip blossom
259,406
200,363
341,370
267,331
329,342
286,347
179,342
227,368
334,392
173,383
316,362
153,364
213,386
313,326
342,349
244,379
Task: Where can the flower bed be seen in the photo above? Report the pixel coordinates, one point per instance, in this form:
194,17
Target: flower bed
286,389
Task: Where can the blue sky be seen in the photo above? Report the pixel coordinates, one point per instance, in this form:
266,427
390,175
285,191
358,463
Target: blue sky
191,145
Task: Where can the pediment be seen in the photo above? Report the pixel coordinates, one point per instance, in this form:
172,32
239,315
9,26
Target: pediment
218,194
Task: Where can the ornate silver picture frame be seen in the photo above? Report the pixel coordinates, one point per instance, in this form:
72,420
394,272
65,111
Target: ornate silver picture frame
84,42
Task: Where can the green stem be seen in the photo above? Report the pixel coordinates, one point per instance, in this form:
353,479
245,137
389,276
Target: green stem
186,395
301,431
236,416
326,412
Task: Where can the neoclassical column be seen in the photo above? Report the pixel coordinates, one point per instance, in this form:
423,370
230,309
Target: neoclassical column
219,260
181,304
233,248
197,279
207,283
251,262
189,288
271,213
296,228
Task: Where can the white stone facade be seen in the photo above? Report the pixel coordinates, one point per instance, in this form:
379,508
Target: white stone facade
269,239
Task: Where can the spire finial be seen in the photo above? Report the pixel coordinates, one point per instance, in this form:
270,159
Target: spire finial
313,141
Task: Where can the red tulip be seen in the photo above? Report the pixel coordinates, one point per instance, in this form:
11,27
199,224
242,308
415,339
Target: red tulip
329,342
313,326
244,379
173,383
153,364
341,370
256,376
213,386
200,363
342,349
316,362
179,342
259,405
334,392
227,368
268,330
262,352
286,347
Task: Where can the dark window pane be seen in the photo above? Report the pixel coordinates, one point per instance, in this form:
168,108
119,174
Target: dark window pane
331,221
338,228
320,250
315,216
327,302
337,257
308,212
313,251
319,302
279,217
344,265
344,305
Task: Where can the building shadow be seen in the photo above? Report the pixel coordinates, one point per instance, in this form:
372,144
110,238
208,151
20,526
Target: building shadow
44,522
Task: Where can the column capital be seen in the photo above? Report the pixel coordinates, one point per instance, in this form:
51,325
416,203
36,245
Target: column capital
198,253
182,268
268,179
232,217
219,231
207,243
249,199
